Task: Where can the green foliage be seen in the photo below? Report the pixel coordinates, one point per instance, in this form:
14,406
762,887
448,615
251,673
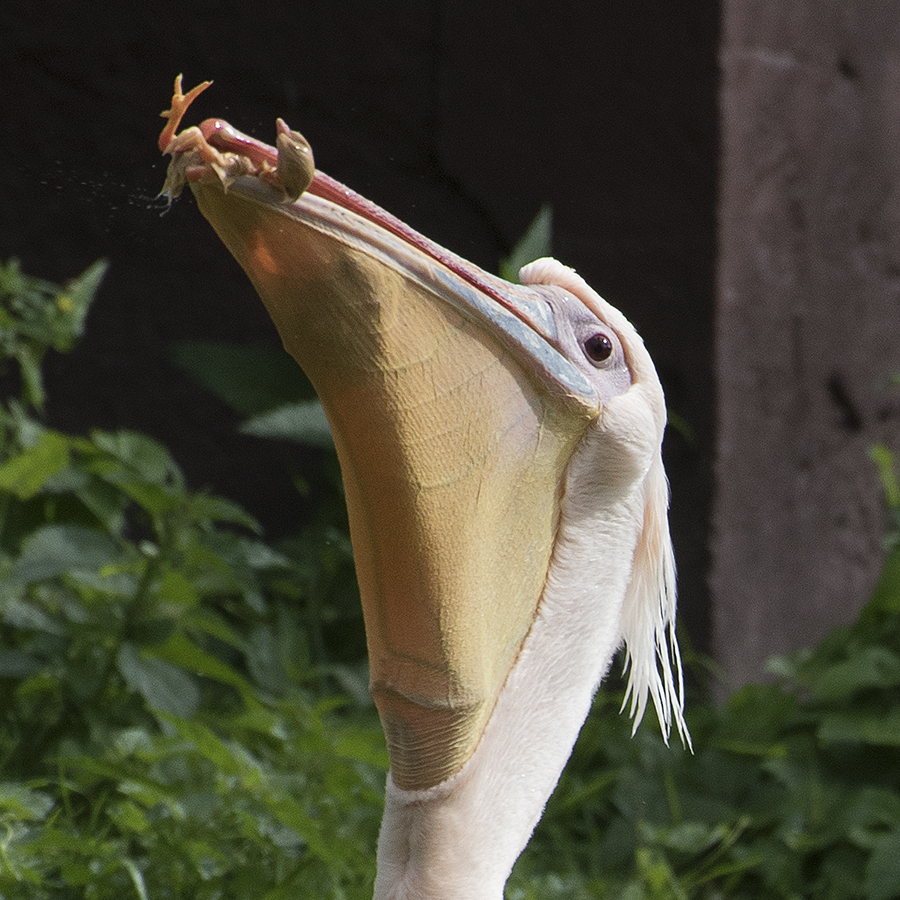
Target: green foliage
185,715
304,422
251,380
36,315
262,384
535,243
171,722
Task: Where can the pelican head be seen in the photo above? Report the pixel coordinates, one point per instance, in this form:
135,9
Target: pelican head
500,447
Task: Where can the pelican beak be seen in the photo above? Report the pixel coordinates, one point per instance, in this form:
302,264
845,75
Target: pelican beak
454,414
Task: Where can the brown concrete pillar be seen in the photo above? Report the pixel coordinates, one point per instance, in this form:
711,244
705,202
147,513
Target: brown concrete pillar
808,318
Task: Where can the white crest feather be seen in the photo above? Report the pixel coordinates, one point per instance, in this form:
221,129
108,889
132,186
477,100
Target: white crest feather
653,660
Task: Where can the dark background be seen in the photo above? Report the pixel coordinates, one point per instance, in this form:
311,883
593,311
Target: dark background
460,117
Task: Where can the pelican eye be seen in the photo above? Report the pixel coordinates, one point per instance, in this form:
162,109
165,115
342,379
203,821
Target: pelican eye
598,348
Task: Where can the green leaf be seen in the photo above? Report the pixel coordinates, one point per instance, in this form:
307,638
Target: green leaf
16,664
206,509
207,743
871,812
102,499
73,303
164,686
886,595
26,473
870,667
32,378
141,455
534,244
290,813
883,869
209,622
154,498
688,837
363,746
305,423
177,590
884,459
264,654
58,549
28,617
23,803
250,380
179,651
862,727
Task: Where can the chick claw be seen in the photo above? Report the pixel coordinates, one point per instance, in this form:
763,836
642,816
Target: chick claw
289,168
180,104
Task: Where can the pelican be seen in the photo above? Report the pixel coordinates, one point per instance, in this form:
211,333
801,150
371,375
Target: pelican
500,447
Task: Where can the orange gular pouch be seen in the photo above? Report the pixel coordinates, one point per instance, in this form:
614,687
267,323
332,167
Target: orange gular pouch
452,463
